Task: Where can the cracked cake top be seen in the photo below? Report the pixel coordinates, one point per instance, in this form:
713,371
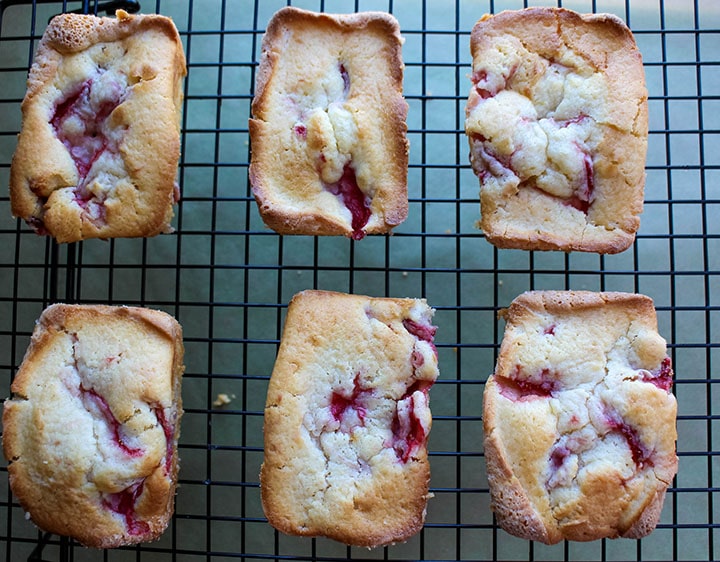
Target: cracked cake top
557,124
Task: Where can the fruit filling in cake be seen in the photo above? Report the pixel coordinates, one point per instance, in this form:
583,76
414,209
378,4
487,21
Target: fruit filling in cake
82,122
662,377
354,199
123,503
641,455
410,425
361,418
425,332
519,390
168,428
342,404
325,124
82,381
587,437
535,135
97,405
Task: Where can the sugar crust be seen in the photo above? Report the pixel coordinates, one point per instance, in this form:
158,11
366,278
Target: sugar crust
85,366
557,125
136,64
593,457
337,470
309,121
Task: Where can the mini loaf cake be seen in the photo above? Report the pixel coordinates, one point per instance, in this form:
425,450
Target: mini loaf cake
328,132
347,419
98,152
91,431
579,418
557,124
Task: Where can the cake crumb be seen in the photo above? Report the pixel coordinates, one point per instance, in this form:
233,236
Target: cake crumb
223,399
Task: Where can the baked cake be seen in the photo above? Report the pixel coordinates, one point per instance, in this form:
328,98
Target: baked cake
579,418
91,431
98,152
557,124
328,132
347,419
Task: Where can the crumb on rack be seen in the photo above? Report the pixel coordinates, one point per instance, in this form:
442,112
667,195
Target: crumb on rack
223,399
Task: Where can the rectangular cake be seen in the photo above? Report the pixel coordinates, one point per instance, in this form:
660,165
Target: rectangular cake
557,125
579,418
92,427
328,130
98,151
347,419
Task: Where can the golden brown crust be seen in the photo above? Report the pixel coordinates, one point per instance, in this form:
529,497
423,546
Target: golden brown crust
578,417
509,501
648,519
94,423
607,113
363,126
334,462
527,306
137,61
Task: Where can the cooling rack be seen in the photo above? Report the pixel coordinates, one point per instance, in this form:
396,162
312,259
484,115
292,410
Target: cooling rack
228,279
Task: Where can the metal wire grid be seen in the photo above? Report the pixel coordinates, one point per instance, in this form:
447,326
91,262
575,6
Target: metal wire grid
228,279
